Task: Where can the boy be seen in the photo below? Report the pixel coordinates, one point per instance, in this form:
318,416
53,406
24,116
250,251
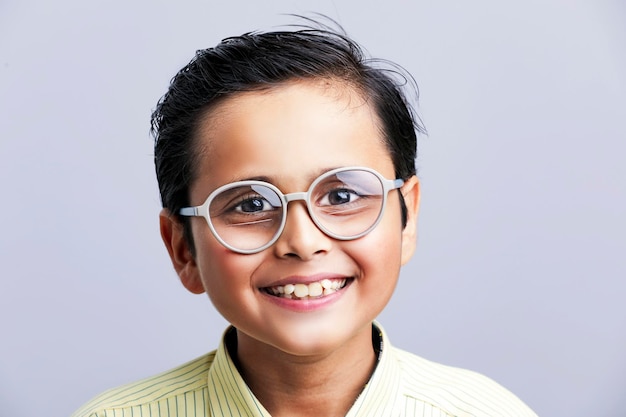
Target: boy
285,162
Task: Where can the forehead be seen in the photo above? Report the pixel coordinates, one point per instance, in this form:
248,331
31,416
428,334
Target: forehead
297,127
334,95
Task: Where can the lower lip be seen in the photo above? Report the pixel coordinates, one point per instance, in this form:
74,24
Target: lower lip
313,304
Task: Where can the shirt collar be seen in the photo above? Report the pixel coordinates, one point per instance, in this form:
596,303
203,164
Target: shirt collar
229,394
380,396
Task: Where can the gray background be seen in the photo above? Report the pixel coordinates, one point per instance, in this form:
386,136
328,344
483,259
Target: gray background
520,271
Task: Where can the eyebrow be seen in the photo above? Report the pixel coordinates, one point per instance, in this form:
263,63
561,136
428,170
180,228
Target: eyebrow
269,179
256,178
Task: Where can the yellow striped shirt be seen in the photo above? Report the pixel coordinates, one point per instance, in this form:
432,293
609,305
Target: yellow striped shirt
403,385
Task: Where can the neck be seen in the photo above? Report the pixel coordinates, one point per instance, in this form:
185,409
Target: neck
300,386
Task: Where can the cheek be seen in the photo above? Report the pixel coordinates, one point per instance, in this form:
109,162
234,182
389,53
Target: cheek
227,281
379,263
385,242
223,273
379,253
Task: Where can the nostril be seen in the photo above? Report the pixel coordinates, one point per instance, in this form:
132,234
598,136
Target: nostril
300,237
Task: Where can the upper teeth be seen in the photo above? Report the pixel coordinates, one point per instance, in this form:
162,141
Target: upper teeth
314,289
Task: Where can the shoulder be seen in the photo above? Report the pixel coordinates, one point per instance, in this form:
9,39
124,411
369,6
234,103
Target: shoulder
178,384
456,391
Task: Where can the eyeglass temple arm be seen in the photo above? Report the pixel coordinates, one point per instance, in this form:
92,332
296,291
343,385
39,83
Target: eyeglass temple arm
397,183
189,211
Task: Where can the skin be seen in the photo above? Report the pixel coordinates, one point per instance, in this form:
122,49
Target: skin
295,356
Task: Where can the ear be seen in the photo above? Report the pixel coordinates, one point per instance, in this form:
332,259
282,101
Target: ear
411,193
180,253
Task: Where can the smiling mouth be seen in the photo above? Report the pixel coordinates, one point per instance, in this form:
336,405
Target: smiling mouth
309,291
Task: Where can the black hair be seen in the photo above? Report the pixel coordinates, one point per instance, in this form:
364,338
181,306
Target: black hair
261,60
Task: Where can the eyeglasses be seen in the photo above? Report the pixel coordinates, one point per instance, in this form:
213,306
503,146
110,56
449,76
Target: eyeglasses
249,216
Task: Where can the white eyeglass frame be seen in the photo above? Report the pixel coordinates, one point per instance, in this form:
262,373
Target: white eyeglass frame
203,210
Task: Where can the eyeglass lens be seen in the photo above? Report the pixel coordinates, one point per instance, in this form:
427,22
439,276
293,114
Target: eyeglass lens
344,205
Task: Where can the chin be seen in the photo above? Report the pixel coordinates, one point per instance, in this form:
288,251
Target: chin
320,340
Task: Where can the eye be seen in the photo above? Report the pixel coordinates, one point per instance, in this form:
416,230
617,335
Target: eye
339,196
253,205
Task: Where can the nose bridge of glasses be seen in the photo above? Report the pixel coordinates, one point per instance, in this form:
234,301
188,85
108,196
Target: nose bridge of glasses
295,197
300,196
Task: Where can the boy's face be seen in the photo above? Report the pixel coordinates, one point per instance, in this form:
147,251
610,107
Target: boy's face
289,136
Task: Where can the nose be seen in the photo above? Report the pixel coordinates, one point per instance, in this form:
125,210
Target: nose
301,238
